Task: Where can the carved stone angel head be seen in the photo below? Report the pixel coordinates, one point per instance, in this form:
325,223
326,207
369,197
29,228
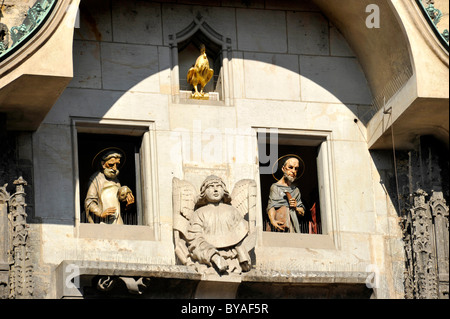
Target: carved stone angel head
213,190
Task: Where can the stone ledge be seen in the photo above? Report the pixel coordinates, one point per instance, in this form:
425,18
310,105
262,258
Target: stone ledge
185,272
4,266
70,269
185,98
116,232
107,268
307,277
187,95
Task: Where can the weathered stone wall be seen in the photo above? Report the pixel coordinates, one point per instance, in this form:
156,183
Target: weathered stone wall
16,160
289,69
423,169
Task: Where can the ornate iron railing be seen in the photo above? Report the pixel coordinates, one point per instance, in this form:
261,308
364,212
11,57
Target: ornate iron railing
12,39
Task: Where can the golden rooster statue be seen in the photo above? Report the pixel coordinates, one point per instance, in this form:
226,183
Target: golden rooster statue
200,74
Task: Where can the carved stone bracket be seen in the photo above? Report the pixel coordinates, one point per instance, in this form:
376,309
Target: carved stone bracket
425,235
78,278
135,286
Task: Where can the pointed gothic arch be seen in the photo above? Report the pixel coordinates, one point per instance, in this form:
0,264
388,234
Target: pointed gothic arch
218,50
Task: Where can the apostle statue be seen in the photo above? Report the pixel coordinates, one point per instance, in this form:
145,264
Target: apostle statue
285,204
214,231
105,192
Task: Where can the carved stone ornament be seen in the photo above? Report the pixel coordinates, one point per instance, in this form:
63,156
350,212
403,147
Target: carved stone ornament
4,243
425,236
4,37
16,238
213,231
135,286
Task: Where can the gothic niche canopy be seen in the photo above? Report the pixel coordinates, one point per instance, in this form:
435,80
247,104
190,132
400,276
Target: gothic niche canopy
200,59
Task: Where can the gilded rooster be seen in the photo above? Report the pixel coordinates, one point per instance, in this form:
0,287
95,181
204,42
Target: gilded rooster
200,74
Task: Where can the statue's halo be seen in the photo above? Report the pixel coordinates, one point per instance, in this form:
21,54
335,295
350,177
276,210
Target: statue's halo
97,158
301,169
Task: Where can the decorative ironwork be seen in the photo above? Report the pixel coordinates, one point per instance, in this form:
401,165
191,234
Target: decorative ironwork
434,16
19,34
4,37
445,35
433,13
425,235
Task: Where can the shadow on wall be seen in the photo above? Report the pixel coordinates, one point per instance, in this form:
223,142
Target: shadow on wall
119,50
122,65
425,167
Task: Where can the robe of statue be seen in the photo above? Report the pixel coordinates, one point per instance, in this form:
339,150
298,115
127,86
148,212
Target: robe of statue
278,198
102,194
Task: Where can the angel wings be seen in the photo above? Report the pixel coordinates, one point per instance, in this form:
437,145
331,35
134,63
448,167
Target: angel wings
214,236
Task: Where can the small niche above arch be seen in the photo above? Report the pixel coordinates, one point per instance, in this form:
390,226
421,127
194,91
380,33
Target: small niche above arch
188,52
185,49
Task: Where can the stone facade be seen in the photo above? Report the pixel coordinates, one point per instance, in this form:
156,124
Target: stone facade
283,68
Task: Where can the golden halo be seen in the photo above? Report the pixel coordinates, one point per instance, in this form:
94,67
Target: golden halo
302,166
97,158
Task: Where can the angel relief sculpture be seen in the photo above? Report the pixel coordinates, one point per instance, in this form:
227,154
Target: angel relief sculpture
214,231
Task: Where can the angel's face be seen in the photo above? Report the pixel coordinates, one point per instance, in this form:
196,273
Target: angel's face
214,192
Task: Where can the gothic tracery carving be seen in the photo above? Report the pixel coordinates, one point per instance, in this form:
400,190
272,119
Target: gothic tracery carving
425,235
21,270
17,281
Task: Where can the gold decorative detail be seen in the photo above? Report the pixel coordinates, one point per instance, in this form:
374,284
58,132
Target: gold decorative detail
200,74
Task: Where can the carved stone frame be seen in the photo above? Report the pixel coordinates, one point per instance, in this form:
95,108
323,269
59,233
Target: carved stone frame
330,237
174,39
150,230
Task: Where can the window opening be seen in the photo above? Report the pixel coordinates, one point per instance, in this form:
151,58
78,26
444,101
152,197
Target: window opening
311,222
185,49
189,51
88,147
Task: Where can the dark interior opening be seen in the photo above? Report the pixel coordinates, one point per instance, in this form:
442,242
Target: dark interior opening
90,145
307,183
189,51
